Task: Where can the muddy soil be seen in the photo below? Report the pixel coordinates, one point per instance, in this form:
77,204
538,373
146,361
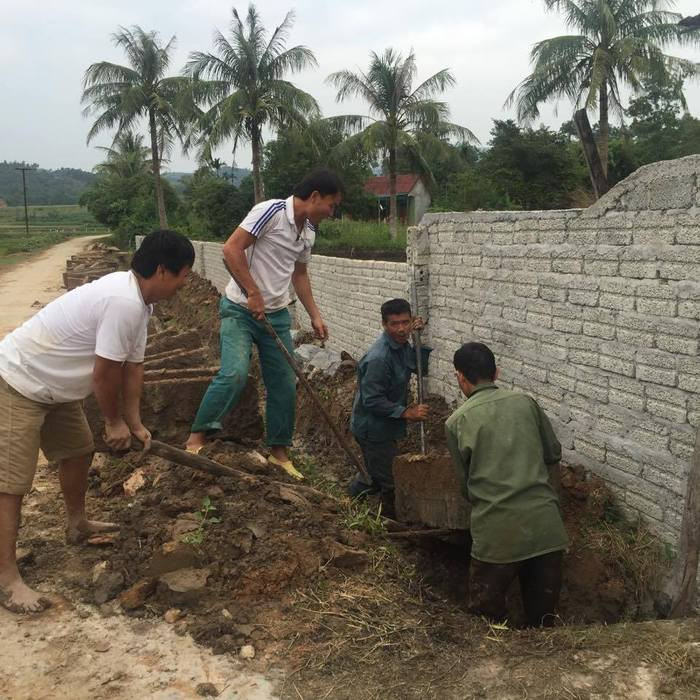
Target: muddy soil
305,581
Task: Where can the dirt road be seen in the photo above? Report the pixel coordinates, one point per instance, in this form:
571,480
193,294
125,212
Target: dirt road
36,280
73,650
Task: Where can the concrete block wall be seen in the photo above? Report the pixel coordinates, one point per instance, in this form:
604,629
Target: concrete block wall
595,313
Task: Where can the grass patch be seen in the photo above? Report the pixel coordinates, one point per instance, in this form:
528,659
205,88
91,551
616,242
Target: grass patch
344,234
48,225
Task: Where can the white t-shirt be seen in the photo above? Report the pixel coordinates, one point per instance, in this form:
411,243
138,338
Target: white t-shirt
51,357
277,247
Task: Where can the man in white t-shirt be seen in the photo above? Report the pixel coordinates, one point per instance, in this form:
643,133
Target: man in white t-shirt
270,249
91,339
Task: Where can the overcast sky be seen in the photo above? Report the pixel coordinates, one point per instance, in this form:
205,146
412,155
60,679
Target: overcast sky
46,45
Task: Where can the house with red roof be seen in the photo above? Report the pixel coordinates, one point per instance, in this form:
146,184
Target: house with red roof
412,197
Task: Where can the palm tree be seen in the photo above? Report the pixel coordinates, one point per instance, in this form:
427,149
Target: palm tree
126,158
242,87
124,94
619,42
397,112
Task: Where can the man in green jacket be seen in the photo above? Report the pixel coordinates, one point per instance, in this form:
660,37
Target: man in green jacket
501,443
381,407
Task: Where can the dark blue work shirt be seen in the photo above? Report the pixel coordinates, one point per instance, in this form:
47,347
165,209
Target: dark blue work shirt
381,396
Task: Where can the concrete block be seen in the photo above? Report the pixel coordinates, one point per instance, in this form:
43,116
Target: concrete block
657,375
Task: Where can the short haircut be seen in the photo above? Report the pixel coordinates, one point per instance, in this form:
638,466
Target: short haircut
170,249
476,362
321,180
395,307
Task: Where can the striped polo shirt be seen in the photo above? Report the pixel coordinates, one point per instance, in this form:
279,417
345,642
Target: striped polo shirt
277,247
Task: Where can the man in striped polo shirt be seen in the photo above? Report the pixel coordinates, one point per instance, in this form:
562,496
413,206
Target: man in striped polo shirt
270,249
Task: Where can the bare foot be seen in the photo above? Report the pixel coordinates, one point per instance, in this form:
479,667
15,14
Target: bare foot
78,532
195,442
17,597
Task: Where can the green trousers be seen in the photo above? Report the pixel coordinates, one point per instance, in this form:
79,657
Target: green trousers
239,331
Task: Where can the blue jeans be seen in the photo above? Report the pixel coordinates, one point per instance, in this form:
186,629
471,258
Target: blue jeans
239,331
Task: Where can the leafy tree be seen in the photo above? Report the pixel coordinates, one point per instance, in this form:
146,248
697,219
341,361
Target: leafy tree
127,157
618,43
241,88
61,186
398,113
531,169
297,151
122,95
215,205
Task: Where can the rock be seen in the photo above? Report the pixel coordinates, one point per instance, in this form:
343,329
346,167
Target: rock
326,361
226,614
107,586
134,483
215,492
24,556
180,628
244,630
207,690
290,496
247,652
99,569
172,616
345,557
305,353
243,539
136,596
186,580
102,646
258,529
171,557
184,524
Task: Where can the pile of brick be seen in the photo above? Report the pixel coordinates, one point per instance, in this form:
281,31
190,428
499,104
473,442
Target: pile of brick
95,261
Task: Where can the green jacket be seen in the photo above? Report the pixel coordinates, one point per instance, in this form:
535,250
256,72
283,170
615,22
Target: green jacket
501,443
381,396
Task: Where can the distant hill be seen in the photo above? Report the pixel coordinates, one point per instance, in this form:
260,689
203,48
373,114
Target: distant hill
177,179
62,186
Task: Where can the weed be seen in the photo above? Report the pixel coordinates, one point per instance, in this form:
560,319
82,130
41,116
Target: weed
359,515
206,518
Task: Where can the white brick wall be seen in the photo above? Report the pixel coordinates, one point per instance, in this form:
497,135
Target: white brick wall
593,312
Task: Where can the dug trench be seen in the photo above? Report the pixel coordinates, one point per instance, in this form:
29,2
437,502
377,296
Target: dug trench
297,577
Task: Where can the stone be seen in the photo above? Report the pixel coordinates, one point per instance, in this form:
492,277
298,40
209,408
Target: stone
99,569
101,646
326,361
171,557
107,586
172,615
189,580
184,524
305,353
134,483
180,628
344,557
247,652
207,690
136,596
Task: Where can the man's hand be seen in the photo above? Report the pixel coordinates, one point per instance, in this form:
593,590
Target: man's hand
416,412
256,305
320,328
117,434
142,434
418,324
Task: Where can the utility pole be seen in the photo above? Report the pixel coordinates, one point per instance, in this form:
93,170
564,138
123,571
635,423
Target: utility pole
24,190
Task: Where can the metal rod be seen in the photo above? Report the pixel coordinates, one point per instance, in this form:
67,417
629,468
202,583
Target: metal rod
419,354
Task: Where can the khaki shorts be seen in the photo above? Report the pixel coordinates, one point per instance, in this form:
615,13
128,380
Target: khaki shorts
60,430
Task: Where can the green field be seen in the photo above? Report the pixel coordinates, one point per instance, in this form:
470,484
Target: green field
48,225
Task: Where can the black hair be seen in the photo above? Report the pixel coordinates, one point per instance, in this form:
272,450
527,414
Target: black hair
170,249
476,362
321,180
394,307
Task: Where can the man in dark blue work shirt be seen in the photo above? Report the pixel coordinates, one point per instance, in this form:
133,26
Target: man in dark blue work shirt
381,409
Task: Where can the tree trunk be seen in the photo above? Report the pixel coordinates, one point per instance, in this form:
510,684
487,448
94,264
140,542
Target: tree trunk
604,128
160,201
256,146
393,214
